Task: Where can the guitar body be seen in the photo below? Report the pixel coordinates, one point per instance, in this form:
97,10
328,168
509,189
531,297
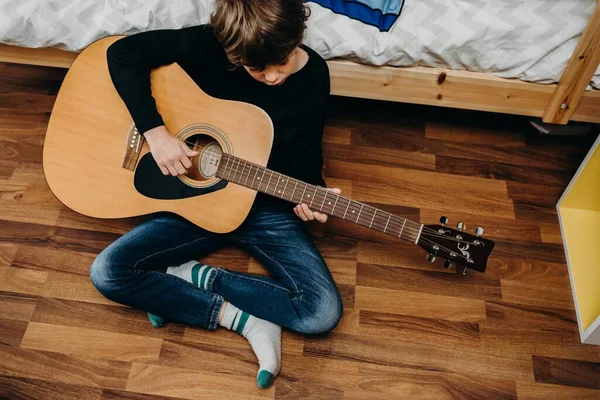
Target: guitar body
97,164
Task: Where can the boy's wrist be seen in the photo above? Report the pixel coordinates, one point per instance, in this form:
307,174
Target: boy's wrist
152,134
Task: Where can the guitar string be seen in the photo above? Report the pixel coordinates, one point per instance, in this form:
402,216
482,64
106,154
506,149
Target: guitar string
370,216
323,193
373,213
251,165
320,195
414,229
212,152
424,230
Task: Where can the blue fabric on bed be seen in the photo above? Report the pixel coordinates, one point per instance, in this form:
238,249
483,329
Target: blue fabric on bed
379,13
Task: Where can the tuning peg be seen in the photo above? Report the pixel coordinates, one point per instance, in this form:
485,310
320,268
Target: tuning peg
461,226
478,231
447,264
443,220
430,257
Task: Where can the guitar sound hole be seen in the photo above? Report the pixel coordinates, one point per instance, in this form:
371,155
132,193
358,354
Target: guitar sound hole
205,165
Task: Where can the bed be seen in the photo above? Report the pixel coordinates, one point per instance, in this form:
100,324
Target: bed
501,56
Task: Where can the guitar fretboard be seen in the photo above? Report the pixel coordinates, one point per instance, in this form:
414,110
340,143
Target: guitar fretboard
317,198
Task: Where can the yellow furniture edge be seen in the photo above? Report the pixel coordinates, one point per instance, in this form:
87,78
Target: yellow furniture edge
591,333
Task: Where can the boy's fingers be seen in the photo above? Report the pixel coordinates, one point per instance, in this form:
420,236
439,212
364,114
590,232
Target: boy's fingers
185,161
179,167
189,152
172,170
320,217
300,213
309,214
164,170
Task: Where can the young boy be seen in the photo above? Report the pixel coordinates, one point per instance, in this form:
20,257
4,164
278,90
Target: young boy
251,52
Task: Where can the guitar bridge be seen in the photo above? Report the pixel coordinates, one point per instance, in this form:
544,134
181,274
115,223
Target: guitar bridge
133,145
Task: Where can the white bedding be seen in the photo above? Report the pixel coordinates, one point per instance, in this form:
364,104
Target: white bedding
530,40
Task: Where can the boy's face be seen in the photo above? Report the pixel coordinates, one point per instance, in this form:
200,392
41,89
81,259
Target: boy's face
274,75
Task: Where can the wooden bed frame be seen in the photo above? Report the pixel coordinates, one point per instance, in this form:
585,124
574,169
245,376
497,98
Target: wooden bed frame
557,103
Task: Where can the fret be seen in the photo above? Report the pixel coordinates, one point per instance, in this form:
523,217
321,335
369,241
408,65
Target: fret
245,162
254,178
267,187
302,197
358,217
231,169
276,184
227,164
401,229
348,206
286,183
326,191
388,221
419,235
334,204
262,179
294,191
314,194
249,169
236,168
240,164
372,219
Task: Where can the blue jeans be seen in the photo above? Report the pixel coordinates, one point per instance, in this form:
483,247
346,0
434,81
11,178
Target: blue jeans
300,294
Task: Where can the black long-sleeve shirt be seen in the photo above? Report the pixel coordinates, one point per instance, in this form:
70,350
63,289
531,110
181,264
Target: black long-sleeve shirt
297,107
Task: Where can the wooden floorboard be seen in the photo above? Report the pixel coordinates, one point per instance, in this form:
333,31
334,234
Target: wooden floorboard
410,329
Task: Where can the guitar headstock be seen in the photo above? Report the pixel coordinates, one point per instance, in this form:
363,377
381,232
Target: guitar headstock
456,246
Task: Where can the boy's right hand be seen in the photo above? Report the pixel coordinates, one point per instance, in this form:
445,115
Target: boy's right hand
170,153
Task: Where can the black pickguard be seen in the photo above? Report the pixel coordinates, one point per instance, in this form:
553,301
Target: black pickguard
150,181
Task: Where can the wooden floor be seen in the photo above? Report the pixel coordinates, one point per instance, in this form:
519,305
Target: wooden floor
411,330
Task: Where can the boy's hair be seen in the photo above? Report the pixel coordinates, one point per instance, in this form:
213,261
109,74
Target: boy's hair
257,33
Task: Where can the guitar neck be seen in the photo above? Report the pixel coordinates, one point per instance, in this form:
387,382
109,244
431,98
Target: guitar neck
261,179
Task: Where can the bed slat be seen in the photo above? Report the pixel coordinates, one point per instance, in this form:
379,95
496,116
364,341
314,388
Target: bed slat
577,74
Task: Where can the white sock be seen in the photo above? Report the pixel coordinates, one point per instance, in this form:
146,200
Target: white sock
194,272
264,337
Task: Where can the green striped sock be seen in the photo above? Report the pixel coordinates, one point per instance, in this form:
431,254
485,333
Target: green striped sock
194,272
155,320
264,337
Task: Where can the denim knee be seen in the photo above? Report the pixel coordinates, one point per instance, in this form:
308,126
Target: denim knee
325,316
106,276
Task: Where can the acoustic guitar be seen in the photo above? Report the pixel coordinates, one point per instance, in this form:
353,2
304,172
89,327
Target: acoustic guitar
97,163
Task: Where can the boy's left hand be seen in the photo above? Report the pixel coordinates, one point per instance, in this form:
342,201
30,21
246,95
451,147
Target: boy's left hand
306,214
